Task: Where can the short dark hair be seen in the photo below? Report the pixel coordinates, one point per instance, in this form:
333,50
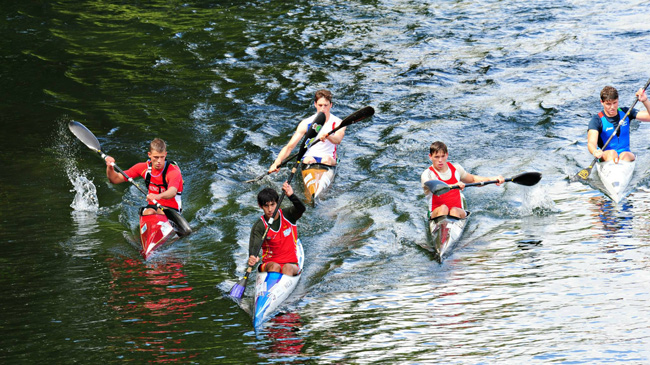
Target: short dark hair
322,93
438,146
157,145
267,195
608,93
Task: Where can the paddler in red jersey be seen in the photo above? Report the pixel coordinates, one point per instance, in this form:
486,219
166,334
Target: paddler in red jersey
451,202
279,247
163,178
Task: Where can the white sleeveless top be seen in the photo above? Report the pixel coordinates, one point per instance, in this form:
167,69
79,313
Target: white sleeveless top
326,148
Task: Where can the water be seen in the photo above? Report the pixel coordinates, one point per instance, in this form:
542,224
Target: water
552,273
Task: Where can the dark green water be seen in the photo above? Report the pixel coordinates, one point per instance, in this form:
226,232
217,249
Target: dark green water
554,273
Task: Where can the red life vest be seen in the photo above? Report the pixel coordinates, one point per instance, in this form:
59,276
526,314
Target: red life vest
280,246
452,198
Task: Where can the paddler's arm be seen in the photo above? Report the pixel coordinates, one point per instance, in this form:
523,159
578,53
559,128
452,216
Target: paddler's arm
335,138
643,115
592,143
254,242
293,213
170,193
469,178
284,153
113,176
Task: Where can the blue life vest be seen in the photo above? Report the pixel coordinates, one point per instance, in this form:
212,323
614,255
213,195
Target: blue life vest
621,141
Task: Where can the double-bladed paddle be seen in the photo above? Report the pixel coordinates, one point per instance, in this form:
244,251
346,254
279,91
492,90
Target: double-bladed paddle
583,174
357,116
238,289
89,139
438,187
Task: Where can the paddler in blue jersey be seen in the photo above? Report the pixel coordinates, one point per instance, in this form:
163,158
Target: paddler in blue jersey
449,203
603,125
325,152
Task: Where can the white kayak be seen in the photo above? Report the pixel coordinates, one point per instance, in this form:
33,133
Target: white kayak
445,233
615,177
273,288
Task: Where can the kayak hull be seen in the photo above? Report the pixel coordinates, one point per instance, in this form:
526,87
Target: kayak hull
445,231
616,177
155,231
273,288
317,178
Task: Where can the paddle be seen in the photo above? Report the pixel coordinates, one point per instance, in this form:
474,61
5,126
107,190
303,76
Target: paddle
357,116
238,289
583,175
89,139
438,187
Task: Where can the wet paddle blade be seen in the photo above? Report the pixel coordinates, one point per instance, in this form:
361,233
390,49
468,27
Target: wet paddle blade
527,178
583,175
182,227
238,289
84,135
359,115
437,187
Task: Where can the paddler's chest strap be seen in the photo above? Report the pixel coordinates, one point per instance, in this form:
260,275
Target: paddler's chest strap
161,187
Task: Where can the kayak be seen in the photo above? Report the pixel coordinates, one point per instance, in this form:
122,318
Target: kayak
273,288
317,177
155,231
615,177
445,232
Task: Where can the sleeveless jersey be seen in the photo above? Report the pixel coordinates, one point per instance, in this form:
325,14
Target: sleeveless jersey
325,148
621,141
280,246
452,198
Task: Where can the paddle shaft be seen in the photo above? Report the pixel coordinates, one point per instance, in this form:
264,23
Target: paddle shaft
286,160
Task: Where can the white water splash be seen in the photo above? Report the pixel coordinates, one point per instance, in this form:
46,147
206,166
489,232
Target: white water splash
85,199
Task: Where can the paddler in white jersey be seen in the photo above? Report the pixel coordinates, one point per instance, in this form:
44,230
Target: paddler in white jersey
449,203
323,152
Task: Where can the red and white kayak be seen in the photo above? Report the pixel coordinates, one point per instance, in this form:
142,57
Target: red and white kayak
155,231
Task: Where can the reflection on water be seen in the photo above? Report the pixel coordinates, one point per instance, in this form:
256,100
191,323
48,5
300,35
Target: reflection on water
152,301
614,217
284,332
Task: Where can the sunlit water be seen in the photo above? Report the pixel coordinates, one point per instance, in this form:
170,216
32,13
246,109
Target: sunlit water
551,273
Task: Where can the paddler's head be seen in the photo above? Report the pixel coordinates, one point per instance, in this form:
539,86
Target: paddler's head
438,155
267,199
609,100
323,102
157,153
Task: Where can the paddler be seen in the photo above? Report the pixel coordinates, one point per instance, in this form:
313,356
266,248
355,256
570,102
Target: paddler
323,152
279,247
603,125
449,203
163,178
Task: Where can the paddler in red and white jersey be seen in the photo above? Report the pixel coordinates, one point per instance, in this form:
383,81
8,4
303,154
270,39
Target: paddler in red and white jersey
163,178
449,203
279,247
323,152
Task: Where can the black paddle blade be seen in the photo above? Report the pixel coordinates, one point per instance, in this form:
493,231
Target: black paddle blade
437,187
527,178
359,115
311,133
582,175
84,135
182,227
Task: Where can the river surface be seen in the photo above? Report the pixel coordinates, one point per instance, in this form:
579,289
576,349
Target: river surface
551,273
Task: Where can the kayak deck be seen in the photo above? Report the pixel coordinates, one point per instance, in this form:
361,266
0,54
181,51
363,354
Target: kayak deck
273,288
445,231
155,231
317,177
616,177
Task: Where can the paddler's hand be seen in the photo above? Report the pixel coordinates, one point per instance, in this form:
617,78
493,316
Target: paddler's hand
641,95
274,167
500,180
152,197
598,153
252,260
109,161
461,185
287,189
